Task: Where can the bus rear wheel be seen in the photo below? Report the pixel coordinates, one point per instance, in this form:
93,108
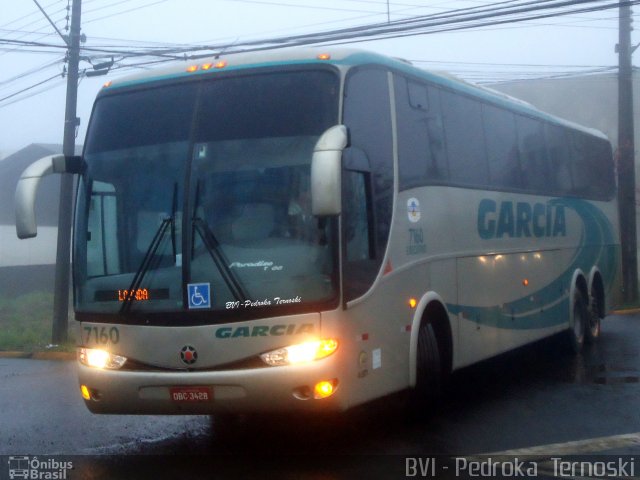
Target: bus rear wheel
593,316
577,331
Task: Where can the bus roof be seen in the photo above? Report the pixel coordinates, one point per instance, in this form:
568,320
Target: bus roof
341,57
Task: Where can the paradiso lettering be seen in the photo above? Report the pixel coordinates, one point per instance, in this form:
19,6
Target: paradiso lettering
520,219
264,330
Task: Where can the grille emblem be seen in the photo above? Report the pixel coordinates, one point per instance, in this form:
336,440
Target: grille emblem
189,355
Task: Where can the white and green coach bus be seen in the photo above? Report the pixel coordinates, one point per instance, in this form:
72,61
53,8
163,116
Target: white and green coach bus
298,230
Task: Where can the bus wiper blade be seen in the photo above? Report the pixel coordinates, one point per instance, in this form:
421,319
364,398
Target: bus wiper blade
145,264
213,247
174,208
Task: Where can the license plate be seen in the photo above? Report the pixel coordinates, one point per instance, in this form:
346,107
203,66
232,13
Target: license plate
191,394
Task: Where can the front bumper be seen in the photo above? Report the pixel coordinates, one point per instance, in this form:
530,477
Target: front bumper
271,389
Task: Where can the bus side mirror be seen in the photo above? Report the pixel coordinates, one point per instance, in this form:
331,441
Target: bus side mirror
27,188
64,164
326,169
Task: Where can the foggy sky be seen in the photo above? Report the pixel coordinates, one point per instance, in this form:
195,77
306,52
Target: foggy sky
587,39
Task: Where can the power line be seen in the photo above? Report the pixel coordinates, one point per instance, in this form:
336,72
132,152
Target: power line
156,2
495,14
23,75
309,7
27,15
460,16
459,19
30,87
110,5
37,21
51,22
11,41
39,30
466,17
33,93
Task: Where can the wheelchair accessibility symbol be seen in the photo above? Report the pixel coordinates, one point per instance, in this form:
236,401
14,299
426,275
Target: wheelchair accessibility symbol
199,295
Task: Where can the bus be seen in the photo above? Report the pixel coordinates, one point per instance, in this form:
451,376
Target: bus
19,467
305,230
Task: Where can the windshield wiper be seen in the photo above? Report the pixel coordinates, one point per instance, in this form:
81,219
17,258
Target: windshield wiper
145,264
213,247
174,209
151,251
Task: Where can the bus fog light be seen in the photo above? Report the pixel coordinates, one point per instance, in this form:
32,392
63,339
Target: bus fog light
300,353
302,393
85,392
97,358
90,393
324,389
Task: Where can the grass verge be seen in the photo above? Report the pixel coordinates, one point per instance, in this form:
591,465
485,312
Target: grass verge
26,324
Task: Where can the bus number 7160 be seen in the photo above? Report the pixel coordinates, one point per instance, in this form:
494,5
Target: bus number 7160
102,335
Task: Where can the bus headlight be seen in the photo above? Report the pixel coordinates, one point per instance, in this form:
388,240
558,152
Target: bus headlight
300,353
96,358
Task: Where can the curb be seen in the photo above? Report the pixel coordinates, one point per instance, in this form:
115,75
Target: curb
65,356
629,311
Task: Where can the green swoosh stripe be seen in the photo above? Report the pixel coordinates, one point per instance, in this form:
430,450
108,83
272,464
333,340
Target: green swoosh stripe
551,303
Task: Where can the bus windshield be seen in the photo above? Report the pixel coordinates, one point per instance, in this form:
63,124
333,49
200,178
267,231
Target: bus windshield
196,197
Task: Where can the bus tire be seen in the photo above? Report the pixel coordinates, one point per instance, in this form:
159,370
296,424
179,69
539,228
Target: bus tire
577,330
592,329
428,389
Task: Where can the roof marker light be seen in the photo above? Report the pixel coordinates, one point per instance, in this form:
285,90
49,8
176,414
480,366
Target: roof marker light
192,68
206,66
221,64
107,84
324,56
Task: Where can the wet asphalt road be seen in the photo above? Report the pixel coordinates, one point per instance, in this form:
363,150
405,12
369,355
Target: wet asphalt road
537,400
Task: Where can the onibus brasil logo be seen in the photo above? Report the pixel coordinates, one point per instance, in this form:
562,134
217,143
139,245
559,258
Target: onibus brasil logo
35,468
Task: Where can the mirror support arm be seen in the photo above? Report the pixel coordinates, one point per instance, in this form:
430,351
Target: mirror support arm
25,197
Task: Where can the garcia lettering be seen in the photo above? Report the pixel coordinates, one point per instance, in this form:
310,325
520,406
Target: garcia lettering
520,219
264,330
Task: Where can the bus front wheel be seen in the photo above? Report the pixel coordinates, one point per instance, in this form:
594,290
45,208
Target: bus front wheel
428,388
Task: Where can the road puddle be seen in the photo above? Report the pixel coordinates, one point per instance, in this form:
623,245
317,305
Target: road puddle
594,367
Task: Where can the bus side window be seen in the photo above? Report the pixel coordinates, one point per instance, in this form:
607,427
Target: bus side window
599,165
439,169
579,173
465,143
559,157
533,154
502,147
103,256
420,138
591,167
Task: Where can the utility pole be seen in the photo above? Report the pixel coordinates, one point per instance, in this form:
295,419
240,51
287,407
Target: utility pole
626,158
71,122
